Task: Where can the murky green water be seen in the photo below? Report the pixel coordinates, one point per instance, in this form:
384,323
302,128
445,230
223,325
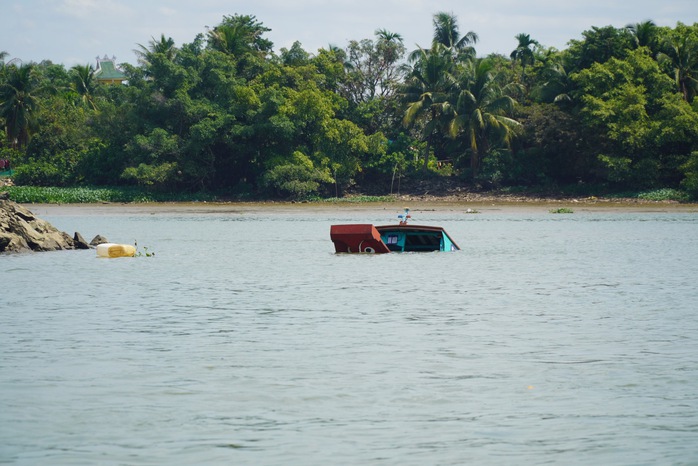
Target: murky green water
549,339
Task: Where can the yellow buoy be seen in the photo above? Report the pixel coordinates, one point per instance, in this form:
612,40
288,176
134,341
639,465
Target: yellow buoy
115,250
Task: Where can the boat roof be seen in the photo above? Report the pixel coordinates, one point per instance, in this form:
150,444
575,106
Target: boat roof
410,227
417,229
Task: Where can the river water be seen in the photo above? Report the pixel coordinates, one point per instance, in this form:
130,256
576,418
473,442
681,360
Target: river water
548,339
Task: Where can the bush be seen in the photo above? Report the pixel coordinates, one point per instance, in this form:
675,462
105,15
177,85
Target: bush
40,174
665,194
151,175
296,179
690,171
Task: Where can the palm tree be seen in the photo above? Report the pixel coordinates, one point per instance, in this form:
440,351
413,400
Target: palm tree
447,33
387,36
523,52
229,39
372,68
554,85
430,80
426,91
644,33
83,82
681,54
482,111
390,44
238,35
18,103
164,46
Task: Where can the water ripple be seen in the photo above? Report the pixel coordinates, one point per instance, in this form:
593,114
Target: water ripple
545,340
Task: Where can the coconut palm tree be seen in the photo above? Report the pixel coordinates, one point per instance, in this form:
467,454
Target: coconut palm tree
83,82
18,102
482,111
554,84
447,33
644,33
426,92
681,54
238,35
164,46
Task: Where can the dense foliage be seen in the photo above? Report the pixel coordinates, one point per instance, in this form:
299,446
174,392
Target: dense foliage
225,114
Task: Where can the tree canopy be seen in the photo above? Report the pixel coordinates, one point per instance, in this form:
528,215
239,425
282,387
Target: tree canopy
224,113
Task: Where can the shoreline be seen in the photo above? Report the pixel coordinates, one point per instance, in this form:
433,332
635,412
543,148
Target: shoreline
467,204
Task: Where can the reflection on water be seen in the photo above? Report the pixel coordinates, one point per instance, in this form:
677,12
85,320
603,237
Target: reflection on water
246,340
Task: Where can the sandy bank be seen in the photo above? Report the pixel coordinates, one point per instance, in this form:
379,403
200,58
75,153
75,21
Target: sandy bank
481,204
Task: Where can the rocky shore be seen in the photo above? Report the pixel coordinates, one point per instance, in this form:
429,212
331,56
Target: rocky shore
22,231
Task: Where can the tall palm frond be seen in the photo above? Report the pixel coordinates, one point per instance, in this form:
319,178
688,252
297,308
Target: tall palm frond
644,33
681,54
447,32
83,82
426,92
483,109
18,103
524,51
238,35
554,85
164,46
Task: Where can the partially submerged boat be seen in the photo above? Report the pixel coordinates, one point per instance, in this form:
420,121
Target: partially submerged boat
367,238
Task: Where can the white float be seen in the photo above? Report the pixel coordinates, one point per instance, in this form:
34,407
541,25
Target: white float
115,250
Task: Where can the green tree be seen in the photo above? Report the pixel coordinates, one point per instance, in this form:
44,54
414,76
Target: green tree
295,56
61,138
553,83
555,147
690,169
523,53
163,46
680,53
330,64
239,35
644,34
643,129
296,178
83,83
370,80
426,93
483,111
597,46
430,79
241,38
297,116
447,33
153,159
157,58
18,103
372,67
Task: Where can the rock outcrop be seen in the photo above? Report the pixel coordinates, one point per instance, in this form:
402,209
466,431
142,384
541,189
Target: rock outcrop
97,240
21,230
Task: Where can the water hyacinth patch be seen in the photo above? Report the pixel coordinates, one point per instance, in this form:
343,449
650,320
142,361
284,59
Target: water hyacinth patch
86,195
